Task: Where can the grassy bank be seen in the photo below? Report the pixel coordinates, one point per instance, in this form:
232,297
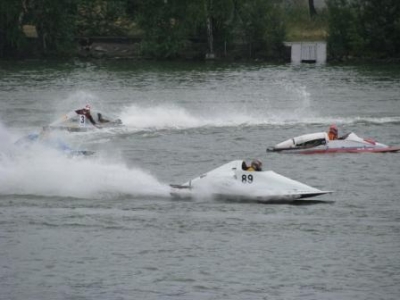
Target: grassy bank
301,27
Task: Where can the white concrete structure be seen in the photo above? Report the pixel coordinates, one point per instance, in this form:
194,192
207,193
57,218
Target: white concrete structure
314,52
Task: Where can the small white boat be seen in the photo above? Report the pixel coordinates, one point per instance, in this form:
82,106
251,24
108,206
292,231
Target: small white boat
232,182
319,143
78,123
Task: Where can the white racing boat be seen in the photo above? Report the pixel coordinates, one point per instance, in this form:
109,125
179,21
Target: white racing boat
319,143
78,123
232,181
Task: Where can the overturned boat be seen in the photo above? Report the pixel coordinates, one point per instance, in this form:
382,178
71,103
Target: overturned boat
75,122
319,143
233,181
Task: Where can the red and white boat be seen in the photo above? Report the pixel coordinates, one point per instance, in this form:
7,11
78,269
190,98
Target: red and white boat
319,143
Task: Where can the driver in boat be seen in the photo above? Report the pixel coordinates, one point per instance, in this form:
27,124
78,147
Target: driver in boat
333,132
86,112
101,119
256,165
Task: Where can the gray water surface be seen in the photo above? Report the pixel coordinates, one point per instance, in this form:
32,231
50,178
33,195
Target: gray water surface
105,227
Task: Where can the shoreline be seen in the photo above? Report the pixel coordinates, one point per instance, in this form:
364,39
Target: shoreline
125,48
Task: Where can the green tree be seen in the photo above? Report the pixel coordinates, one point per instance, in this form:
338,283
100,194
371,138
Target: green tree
56,24
380,21
219,22
311,8
169,24
164,29
344,37
12,39
364,28
261,26
101,17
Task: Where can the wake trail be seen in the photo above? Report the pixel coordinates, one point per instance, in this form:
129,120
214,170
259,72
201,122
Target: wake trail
137,118
78,178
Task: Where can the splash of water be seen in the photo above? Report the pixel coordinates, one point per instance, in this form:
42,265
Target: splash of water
161,117
263,112
40,170
171,117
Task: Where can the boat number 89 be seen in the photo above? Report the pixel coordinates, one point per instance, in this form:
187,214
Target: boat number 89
247,178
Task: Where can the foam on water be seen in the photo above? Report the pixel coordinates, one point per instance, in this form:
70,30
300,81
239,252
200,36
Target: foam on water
161,117
297,109
5,138
40,170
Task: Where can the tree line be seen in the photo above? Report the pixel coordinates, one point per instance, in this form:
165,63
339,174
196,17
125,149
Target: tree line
364,28
167,28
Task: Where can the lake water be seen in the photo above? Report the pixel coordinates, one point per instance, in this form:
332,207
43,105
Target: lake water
105,226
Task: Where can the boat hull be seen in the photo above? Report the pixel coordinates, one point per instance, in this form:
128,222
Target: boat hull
336,150
267,199
232,182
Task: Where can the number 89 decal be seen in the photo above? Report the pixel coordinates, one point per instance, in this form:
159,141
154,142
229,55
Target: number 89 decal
247,178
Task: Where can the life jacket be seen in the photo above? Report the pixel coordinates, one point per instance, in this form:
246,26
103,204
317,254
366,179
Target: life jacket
332,136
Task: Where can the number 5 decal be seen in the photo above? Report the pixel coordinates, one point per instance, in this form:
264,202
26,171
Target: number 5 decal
247,178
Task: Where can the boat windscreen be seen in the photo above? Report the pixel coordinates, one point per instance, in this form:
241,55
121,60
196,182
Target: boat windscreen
312,143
